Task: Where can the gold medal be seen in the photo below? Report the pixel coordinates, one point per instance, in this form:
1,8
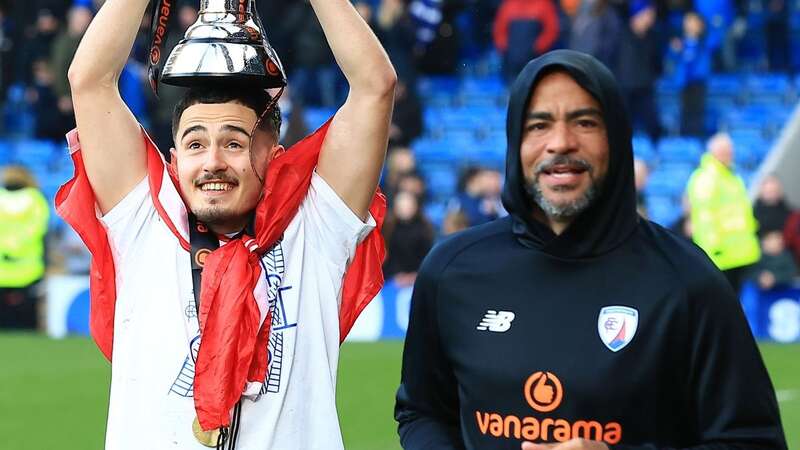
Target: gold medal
207,438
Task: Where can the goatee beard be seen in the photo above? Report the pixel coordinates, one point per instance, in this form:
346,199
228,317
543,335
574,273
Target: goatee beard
212,215
562,211
567,210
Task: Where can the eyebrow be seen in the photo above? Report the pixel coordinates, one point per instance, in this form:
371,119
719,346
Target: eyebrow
225,127
192,129
541,115
235,129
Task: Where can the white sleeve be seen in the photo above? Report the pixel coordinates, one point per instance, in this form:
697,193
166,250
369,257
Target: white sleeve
331,226
125,221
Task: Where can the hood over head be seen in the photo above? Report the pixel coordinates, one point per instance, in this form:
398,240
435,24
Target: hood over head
612,217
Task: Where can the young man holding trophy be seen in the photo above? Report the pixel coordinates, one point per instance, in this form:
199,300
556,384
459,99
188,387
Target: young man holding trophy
224,281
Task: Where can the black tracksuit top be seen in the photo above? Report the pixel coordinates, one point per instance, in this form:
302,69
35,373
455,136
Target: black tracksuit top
616,330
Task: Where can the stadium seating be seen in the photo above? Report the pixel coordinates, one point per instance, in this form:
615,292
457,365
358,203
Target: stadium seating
465,124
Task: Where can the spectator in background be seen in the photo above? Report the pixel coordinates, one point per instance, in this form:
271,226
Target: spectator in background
523,30
64,46
409,237
67,253
683,226
476,24
718,17
6,51
570,7
478,196
395,29
791,235
722,218
51,122
23,224
454,221
426,15
415,184
776,267
596,30
638,65
399,162
314,70
436,21
640,175
407,115
776,28
770,209
692,68
36,46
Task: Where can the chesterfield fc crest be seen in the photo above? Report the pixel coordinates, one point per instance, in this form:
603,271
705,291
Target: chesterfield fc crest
617,326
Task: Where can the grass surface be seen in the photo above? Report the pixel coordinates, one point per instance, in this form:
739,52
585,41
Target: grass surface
53,394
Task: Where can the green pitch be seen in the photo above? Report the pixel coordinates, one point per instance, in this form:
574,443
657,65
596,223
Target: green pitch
53,394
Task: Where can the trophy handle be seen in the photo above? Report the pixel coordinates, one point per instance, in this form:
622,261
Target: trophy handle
271,53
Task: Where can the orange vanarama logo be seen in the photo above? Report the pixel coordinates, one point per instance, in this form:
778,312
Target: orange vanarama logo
544,393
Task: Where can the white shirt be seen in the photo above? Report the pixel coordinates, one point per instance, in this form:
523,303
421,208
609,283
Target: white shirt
155,325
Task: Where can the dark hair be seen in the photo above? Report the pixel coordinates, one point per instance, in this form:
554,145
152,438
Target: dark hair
254,98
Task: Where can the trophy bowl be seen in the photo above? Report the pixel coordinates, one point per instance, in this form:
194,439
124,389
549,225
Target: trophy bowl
226,44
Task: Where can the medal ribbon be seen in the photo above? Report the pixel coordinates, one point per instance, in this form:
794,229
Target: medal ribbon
162,12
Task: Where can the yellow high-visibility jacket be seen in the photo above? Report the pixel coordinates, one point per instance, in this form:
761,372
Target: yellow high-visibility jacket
722,218
23,223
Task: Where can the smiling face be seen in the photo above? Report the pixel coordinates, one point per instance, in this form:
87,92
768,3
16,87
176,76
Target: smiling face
220,174
564,149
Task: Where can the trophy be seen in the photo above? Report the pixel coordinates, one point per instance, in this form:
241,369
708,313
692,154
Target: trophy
226,44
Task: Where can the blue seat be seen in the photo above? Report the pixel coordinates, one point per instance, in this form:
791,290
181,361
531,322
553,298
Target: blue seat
643,148
680,150
750,116
461,118
669,178
667,86
435,212
718,107
750,147
482,91
491,85
663,210
725,85
433,85
768,84
432,150
35,153
441,180
746,156
315,117
6,153
670,117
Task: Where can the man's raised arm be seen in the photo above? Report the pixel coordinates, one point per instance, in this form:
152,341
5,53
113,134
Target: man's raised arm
111,140
355,146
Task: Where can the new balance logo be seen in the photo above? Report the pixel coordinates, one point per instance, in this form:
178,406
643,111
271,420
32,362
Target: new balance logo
497,321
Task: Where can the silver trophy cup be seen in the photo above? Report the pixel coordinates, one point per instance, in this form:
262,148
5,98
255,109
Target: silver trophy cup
227,44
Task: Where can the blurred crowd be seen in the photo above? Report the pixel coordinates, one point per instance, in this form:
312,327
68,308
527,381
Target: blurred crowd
756,241
639,40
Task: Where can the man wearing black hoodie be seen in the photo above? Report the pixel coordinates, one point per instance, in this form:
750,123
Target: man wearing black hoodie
573,321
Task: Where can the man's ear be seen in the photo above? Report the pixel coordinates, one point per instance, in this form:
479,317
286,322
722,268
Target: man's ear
173,160
277,150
